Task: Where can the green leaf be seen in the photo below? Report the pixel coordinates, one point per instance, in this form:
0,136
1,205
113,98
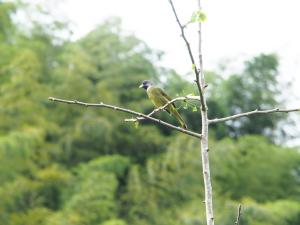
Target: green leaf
201,17
185,106
136,124
193,18
198,16
195,109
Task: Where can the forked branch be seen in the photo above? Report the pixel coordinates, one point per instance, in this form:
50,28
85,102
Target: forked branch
103,105
188,97
195,68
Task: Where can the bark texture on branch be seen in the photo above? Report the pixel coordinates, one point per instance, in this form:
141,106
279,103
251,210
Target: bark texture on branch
204,140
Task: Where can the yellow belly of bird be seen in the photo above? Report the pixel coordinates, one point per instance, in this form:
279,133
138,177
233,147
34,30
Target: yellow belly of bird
157,99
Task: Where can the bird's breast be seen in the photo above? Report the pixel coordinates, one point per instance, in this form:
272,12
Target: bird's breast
155,96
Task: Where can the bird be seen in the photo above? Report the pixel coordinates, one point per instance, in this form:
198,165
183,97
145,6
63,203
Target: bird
159,98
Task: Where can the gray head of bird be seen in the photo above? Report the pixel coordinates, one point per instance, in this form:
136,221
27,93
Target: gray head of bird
146,84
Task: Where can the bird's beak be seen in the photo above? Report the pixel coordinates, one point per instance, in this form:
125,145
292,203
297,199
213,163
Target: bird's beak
141,86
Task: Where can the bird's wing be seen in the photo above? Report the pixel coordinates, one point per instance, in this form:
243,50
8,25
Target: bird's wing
166,96
171,110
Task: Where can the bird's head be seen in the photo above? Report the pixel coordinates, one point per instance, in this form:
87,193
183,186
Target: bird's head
145,84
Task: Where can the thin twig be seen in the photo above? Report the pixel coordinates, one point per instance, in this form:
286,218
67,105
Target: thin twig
276,110
188,97
201,79
196,71
103,105
238,217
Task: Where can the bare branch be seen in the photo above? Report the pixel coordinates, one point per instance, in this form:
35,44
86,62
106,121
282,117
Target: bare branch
188,97
103,105
204,131
277,110
196,71
237,222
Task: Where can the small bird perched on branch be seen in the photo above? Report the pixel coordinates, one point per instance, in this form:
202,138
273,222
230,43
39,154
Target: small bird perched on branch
159,98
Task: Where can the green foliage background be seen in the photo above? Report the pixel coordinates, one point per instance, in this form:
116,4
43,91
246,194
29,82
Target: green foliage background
62,165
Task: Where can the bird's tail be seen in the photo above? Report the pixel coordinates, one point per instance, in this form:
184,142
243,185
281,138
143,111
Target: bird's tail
180,120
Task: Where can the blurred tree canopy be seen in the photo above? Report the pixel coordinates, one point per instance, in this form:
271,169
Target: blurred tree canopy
63,165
